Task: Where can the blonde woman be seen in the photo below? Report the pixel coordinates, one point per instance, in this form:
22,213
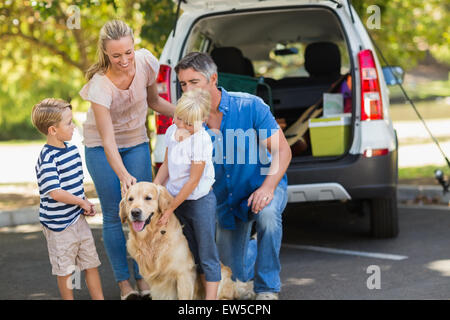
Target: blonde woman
121,86
189,172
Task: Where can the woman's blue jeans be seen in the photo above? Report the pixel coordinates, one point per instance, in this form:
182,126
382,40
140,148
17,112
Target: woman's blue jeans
261,258
138,163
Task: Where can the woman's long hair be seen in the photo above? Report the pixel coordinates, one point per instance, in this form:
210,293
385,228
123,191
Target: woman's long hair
112,30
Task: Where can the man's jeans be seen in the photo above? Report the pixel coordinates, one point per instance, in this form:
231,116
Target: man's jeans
238,252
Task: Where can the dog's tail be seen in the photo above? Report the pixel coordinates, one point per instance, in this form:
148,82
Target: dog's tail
244,290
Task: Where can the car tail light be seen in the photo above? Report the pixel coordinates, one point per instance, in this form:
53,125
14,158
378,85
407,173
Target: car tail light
162,123
371,105
369,153
163,84
158,165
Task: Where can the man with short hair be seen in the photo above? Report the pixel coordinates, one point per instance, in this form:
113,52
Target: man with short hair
251,156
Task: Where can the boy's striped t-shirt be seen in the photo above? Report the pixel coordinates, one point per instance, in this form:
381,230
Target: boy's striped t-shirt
59,168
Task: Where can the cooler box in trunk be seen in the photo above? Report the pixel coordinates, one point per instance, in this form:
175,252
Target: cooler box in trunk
329,136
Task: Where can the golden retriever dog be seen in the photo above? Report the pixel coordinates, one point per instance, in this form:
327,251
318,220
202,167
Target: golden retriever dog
162,252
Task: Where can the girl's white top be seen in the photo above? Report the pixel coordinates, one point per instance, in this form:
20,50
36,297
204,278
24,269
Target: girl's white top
197,147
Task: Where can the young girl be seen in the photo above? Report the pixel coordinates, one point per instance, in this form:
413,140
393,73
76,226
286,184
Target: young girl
189,170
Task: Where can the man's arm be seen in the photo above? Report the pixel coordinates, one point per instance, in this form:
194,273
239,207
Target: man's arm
281,157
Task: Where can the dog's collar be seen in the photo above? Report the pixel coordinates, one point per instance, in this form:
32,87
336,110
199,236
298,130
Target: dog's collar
147,221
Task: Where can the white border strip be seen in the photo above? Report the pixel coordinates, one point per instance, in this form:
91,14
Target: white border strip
347,252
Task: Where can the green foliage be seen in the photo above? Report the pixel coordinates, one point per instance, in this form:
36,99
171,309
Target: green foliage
18,97
41,56
157,26
409,28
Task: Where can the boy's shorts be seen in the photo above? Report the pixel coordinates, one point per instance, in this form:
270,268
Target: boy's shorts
72,247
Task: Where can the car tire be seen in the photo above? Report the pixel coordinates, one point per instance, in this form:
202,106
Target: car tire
384,217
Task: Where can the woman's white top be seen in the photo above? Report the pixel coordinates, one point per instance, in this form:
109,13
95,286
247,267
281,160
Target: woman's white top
196,147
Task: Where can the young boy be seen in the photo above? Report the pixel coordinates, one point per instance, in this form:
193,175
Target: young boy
62,201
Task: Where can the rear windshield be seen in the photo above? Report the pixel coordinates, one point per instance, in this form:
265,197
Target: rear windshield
274,42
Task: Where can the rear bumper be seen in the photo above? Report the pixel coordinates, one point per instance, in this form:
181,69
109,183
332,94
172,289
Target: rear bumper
352,177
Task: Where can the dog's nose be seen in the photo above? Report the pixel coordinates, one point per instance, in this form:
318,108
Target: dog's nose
136,212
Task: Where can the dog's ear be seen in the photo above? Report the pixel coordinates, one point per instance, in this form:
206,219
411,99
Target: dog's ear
164,198
123,212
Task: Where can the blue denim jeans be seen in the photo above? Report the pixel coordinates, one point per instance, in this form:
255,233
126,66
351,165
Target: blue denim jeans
138,163
237,251
199,227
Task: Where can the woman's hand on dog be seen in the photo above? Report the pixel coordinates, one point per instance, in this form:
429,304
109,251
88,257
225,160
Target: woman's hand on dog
165,217
127,181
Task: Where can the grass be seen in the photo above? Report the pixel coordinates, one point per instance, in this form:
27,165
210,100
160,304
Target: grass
19,195
21,142
420,175
422,95
422,90
435,109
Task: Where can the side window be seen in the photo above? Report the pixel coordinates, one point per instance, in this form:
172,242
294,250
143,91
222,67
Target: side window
345,59
198,42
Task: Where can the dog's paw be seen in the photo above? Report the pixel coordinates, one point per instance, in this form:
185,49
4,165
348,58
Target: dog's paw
244,290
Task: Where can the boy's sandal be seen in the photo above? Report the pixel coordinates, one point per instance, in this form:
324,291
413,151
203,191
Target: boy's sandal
145,295
132,295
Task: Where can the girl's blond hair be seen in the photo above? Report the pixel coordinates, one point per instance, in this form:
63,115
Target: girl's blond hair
193,107
48,113
112,30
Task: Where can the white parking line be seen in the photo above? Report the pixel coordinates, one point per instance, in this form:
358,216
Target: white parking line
347,252
424,207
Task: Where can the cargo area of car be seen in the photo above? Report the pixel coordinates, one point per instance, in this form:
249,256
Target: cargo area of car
297,61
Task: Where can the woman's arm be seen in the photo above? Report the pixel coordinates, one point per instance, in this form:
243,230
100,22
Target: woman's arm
163,172
157,103
196,172
106,130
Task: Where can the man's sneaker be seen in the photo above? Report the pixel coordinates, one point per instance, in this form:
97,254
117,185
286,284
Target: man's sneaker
267,296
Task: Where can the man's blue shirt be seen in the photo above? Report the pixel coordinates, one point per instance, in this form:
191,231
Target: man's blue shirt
240,164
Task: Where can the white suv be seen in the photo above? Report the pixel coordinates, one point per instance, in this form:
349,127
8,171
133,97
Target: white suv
295,50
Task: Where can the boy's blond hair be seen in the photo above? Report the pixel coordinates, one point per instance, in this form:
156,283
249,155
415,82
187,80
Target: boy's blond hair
194,106
48,113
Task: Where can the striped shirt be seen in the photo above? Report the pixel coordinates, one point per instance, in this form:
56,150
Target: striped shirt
59,168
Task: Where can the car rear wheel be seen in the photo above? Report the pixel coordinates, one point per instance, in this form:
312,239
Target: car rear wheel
384,217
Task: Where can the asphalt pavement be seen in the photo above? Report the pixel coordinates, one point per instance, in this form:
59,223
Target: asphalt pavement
327,254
